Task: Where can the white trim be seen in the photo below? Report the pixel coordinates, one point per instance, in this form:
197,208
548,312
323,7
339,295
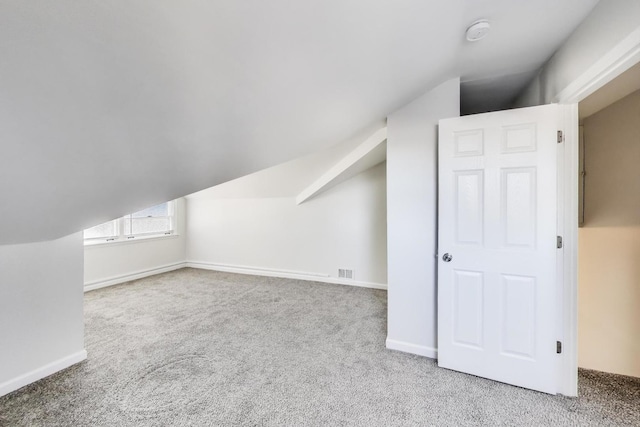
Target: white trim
343,165
93,243
115,280
286,274
619,59
405,347
42,372
568,268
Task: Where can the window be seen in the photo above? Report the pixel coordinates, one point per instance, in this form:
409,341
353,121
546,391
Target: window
155,221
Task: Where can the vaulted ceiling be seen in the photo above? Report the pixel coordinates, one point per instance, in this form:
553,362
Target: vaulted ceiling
110,106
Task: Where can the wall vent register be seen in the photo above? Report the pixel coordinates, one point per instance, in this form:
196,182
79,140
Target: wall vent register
345,274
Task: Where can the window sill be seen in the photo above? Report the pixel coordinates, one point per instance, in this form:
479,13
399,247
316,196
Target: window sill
139,239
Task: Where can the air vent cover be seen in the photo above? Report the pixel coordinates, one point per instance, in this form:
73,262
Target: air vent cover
345,273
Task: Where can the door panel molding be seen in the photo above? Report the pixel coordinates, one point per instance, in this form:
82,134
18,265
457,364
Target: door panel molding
498,300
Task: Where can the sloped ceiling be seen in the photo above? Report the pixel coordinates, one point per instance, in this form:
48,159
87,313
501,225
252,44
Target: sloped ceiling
288,179
110,106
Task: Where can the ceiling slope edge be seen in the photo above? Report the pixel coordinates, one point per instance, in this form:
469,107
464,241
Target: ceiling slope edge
370,153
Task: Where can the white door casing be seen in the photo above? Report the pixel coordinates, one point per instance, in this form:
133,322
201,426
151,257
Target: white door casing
497,308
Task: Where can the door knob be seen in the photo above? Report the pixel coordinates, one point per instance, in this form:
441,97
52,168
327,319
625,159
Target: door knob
447,257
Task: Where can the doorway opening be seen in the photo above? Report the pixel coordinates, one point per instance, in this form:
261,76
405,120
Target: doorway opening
609,233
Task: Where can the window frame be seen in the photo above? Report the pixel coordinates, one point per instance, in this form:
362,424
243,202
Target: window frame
121,237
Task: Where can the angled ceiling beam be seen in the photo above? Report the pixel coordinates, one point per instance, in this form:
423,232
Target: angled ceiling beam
368,154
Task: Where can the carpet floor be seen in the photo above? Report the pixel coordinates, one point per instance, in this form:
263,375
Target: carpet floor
202,348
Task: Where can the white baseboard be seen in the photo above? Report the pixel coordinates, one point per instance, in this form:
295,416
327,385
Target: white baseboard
287,274
37,374
115,280
406,347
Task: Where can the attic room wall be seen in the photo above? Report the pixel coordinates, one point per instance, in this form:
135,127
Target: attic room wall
111,263
343,227
610,22
412,200
41,319
609,242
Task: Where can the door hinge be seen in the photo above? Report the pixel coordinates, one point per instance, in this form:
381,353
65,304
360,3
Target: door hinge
560,136
559,242
558,347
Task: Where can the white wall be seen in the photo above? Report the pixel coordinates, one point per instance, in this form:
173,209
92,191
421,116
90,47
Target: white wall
41,319
111,263
412,218
343,227
609,242
606,26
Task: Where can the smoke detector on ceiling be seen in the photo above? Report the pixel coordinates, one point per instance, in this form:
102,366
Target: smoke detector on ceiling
478,30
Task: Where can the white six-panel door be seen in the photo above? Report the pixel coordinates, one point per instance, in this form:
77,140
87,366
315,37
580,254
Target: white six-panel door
497,246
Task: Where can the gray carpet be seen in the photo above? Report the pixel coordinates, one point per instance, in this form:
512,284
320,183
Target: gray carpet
200,348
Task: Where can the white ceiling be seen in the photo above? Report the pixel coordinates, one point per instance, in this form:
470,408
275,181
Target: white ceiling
110,106
290,178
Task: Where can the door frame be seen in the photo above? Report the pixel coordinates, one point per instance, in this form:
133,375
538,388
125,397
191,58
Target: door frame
619,59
